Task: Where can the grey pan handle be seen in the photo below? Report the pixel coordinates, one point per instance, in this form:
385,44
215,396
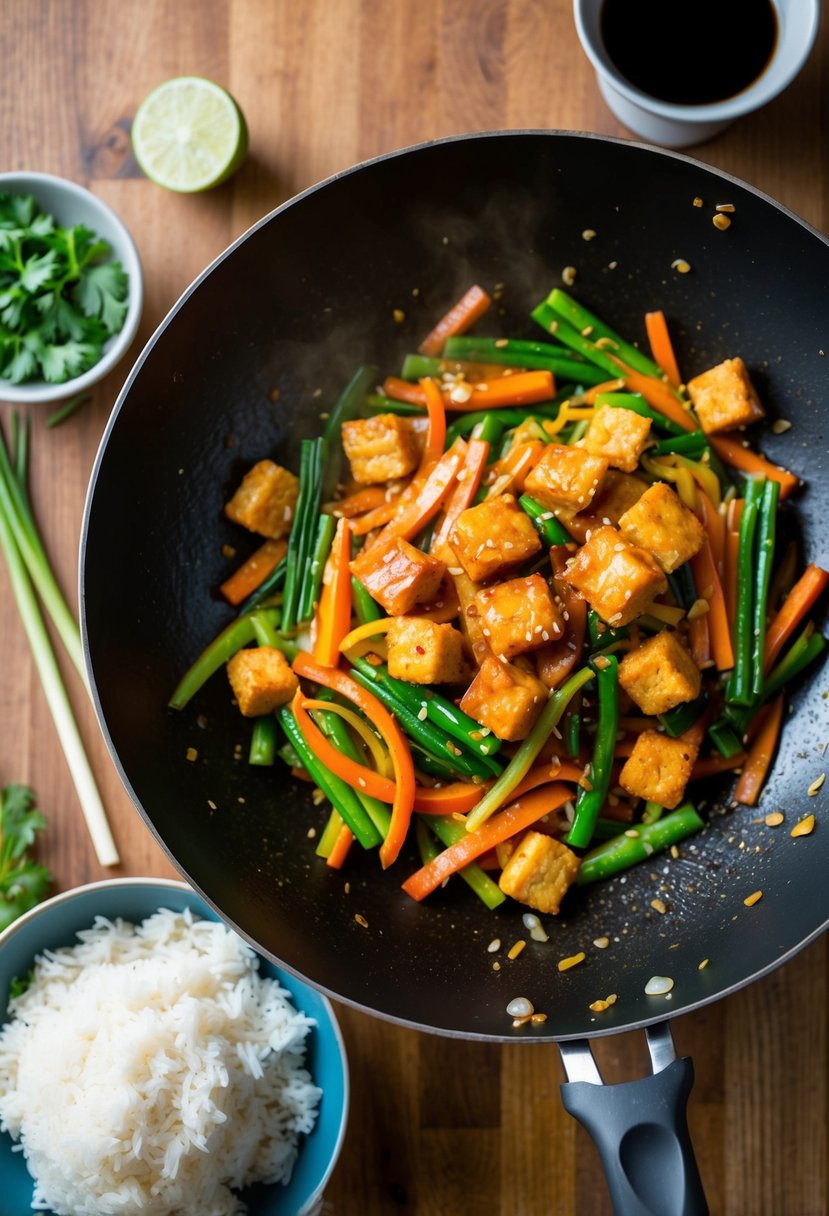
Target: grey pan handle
639,1128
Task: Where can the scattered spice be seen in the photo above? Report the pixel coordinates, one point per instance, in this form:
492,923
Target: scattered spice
804,827
516,948
698,202
192,754
751,900
725,207
681,265
588,234
703,965
601,943
494,945
780,426
565,964
774,819
816,785
658,906
658,985
601,1006
361,920
399,315
721,221
568,276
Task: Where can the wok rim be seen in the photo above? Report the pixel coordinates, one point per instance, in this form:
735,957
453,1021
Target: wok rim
551,133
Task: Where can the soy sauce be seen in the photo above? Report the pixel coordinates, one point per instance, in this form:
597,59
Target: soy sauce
689,52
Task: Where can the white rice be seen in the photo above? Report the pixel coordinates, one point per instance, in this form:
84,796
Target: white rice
151,1069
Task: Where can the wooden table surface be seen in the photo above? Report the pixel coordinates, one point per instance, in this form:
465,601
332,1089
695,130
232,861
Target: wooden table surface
438,1127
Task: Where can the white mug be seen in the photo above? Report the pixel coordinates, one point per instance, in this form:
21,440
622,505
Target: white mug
678,126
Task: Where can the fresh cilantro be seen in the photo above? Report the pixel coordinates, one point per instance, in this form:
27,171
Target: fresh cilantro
23,883
60,298
19,984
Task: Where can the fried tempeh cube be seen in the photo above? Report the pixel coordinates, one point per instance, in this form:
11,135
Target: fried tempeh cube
619,435
423,652
662,524
566,478
540,872
266,500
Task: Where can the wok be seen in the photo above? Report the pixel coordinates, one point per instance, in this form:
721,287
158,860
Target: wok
295,305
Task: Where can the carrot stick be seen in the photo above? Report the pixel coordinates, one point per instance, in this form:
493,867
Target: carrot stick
699,636
436,434
376,518
708,584
542,774
500,827
469,479
759,757
509,474
333,615
421,500
658,394
607,386
802,596
729,448
362,500
338,854
714,523
252,573
661,346
461,316
393,737
712,766
524,388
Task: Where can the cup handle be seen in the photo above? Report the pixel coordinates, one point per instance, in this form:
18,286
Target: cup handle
639,1128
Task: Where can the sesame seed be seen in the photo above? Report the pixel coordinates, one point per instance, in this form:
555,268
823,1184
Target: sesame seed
191,754
681,265
751,900
780,425
804,827
698,202
601,943
361,920
565,964
774,819
658,906
516,948
568,276
494,945
816,785
588,234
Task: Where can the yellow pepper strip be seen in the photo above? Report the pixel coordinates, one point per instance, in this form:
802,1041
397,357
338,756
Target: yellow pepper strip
682,479
704,476
666,613
375,747
371,629
567,413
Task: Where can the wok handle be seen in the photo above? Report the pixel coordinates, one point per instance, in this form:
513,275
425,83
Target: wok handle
640,1129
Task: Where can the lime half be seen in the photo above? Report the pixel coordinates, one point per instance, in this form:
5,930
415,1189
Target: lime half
189,134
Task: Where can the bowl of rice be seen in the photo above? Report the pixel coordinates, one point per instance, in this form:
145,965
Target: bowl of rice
151,1062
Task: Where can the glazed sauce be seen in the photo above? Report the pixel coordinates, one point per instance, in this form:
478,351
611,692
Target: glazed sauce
689,52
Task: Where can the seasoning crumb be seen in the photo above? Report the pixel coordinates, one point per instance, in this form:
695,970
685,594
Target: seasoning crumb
588,234
601,1006
361,920
698,202
751,900
681,265
228,551
674,852
721,221
275,394
538,1019
516,948
725,207
520,1007
658,906
774,819
703,965
804,827
311,833
601,943
211,804
658,985
780,425
192,754
494,945
568,276
399,315
496,966
565,964
816,785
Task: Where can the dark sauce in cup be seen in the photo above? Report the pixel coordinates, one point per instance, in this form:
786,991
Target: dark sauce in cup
689,52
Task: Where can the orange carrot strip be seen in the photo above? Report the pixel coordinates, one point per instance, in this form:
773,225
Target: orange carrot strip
661,346
500,827
508,475
714,523
338,854
423,498
730,449
712,766
461,316
658,394
624,748
699,636
706,577
391,735
524,388
543,774
457,798
365,499
557,659
376,518
800,599
607,386
461,497
759,757
436,434
333,616
474,372
252,573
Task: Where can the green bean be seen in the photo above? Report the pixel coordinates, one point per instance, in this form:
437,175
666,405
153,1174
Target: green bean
326,527
329,834
637,403
724,739
435,767
766,527
416,366
681,583
263,741
652,812
341,796
580,318
267,588
520,764
490,431
609,829
798,657
625,851
349,404
548,528
531,356
738,689
335,729
366,607
572,734
449,832
600,635
682,717
378,404
590,802
691,444
553,323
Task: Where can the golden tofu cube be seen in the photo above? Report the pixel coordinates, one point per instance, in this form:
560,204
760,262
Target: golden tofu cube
618,579
380,448
266,500
398,575
566,479
518,616
619,435
617,494
662,524
261,679
469,617
658,768
423,652
505,699
724,397
492,537
660,674
540,872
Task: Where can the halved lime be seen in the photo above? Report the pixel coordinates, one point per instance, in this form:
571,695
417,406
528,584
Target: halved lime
189,134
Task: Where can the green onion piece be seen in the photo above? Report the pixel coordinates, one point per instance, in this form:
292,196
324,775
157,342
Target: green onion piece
546,524
67,409
738,689
349,404
724,739
590,802
449,831
581,318
366,607
416,366
223,647
378,404
652,812
682,717
692,444
274,581
326,527
263,741
522,761
625,851
766,528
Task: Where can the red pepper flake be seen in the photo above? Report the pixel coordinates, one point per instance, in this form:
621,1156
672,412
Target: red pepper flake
419,650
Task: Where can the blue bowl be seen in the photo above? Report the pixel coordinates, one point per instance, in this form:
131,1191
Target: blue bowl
55,923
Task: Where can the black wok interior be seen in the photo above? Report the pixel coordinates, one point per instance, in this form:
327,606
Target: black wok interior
296,305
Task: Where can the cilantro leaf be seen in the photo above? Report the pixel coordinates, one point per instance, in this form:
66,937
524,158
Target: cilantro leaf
23,882
65,360
17,210
102,292
38,269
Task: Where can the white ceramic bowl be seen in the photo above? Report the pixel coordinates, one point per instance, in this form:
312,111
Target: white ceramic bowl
680,126
70,203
